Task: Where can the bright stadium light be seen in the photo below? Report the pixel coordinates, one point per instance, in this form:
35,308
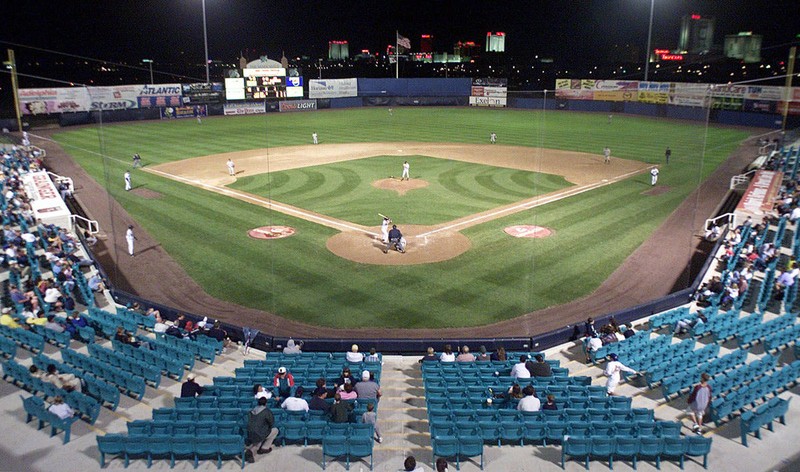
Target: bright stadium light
649,36
205,40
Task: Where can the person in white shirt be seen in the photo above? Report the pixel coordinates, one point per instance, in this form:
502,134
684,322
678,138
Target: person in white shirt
51,295
61,409
127,180
447,355
295,403
519,371
354,355
613,372
130,238
314,137
594,344
529,402
231,167
260,392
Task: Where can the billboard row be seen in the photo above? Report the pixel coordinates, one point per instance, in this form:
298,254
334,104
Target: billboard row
332,88
39,101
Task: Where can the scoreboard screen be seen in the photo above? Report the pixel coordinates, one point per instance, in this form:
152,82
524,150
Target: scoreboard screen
263,87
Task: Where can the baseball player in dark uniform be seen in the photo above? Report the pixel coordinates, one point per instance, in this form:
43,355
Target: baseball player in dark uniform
395,240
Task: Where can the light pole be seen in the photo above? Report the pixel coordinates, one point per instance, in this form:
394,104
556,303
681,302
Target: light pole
320,68
205,40
649,36
150,62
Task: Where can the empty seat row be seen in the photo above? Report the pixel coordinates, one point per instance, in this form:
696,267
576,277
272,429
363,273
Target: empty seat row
635,449
171,447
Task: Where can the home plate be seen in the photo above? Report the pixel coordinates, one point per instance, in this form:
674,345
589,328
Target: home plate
604,180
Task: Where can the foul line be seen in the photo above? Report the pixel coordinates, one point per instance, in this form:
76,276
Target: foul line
535,203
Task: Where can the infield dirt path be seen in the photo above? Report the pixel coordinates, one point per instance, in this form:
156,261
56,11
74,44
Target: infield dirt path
426,244
660,264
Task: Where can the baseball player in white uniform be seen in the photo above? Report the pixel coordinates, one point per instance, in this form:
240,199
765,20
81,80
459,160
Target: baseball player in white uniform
314,137
607,155
231,167
653,175
613,369
385,229
406,168
127,180
493,138
130,238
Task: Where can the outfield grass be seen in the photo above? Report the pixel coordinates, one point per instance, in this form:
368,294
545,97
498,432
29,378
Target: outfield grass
499,278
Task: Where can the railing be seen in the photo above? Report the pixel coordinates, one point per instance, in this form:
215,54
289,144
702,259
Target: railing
738,180
90,225
768,148
720,221
58,179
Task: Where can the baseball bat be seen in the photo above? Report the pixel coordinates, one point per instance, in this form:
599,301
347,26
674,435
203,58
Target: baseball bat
382,215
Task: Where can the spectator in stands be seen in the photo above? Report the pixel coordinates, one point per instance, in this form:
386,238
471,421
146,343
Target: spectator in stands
713,233
260,392
75,323
190,388
318,402
540,368
529,402
261,431
410,465
61,409
628,331
216,332
36,320
368,388
499,354
447,355
785,281
608,336
53,325
373,356
126,338
465,355
588,327
292,347
153,313
592,345
550,404
95,283
6,319
698,402
340,411
441,464
519,371
685,324
66,381
35,372
614,371
370,417
731,295
181,321
283,383
429,356
348,393
514,392
354,355
322,388
482,354
345,378
709,290
90,239
27,299
295,403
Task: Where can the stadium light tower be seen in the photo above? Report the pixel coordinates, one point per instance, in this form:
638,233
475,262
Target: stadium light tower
649,36
150,63
205,40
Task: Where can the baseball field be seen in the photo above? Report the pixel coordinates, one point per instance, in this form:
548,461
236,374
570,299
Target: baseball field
462,268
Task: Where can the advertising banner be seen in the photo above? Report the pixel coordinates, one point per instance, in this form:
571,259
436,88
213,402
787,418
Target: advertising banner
616,96
563,84
46,202
653,97
575,94
490,81
760,195
659,87
728,90
159,95
487,101
42,101
298,105
794,107
332,88
267,72
688,100
234,88
183,112
727,103
500,92
690,89
245,108
610,85
760,106
119,97
294,87
766,92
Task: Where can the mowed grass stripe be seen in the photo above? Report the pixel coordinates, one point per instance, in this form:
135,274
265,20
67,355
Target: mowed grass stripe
501,277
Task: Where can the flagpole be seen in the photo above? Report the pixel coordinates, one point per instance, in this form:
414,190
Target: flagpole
397,54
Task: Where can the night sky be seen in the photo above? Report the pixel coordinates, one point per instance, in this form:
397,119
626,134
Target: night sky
571,31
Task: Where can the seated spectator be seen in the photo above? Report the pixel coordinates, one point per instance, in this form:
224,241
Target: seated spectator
318,402
529,402
35,372
499,354
216,332
588,327
283,383
345,378
6,319
368,388
514,393
36,320
628,331
550,404
296,403
53,325
713,233
153,313
160,327
608,336
429,356
540,368
592,345
348,393
75,323
370,417
292,347
66,381
90,239
373,356
322,389
340,411
447,355
465,355
483,355
95,283
190,388
27,299
61,409
354,355
125,337
685,324
260,392
519,371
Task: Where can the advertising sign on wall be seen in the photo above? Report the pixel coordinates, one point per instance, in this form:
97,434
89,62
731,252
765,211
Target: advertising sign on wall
298,105
332,88
184,112
487,101
245,108
294,87
41,101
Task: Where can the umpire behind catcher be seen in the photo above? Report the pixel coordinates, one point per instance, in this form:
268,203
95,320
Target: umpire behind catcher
395,240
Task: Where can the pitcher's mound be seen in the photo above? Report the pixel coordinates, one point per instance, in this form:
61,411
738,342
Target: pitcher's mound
400,186
368,249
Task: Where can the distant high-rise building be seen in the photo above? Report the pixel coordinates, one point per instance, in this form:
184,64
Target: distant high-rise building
466,49
495,42
426,43
697,34
744,46
338,50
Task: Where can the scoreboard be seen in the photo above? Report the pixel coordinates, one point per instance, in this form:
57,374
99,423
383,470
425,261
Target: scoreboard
263,87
